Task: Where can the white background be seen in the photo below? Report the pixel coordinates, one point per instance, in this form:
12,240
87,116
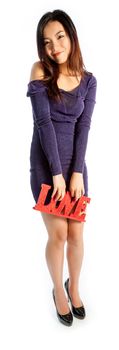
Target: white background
27,312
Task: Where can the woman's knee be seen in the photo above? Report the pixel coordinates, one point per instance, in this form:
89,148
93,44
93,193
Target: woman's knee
59,236
57,227
75,232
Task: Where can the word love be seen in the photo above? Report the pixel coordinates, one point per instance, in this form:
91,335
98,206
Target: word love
67,207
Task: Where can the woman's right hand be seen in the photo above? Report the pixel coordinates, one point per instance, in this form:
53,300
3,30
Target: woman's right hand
59,187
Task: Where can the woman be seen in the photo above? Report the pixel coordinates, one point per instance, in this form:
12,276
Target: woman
62,94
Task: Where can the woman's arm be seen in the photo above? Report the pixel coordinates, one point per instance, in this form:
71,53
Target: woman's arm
41,115
82,127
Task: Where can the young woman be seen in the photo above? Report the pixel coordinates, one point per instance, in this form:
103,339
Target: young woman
63,95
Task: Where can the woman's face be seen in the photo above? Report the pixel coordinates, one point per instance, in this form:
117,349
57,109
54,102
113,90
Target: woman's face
56,40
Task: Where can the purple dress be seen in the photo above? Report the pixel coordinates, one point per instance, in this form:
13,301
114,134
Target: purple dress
60,133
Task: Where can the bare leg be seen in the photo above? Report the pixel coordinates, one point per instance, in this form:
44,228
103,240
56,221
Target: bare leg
75,252
57,236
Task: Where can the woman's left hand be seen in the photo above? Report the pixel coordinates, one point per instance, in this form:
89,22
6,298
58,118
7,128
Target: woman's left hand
76,186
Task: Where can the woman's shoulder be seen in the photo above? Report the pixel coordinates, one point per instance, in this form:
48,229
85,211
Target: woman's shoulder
37,71
90,76
36,82
90,81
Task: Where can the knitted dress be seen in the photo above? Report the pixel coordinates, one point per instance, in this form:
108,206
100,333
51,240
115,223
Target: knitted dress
60,133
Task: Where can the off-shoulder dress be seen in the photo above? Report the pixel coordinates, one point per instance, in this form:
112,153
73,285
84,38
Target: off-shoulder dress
60,133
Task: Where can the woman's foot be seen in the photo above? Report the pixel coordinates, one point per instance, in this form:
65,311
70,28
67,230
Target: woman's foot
61,301
74,294
67,318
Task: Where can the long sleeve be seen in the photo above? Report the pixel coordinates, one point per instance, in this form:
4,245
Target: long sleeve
41,115
82,127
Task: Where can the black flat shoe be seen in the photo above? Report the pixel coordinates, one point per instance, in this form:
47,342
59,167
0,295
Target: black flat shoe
78,312
66,319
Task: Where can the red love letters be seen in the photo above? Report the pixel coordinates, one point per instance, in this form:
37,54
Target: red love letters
68,208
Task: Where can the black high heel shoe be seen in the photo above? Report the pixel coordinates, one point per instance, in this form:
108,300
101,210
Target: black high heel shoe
78,312
66,319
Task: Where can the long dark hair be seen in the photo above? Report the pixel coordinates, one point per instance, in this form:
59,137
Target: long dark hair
51,68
